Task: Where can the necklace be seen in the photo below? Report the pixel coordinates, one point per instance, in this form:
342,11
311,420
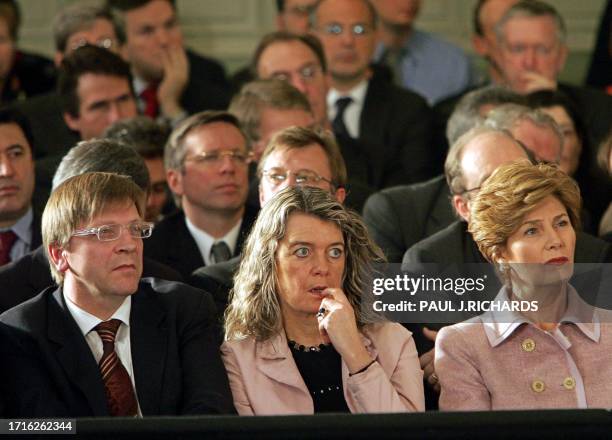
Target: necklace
300,347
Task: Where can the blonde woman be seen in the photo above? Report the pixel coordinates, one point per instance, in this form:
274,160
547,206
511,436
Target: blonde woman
557,354
296,338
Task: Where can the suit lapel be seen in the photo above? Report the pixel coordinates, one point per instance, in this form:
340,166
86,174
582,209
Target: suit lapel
148,340
74,355
274,360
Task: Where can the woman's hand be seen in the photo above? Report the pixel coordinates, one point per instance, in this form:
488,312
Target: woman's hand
337,325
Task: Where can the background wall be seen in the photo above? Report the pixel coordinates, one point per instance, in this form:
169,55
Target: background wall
230,29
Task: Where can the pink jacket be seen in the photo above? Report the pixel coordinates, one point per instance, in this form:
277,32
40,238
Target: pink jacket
508,363
265,380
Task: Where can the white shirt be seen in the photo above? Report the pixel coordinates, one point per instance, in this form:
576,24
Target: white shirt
206,241
352,114
87,322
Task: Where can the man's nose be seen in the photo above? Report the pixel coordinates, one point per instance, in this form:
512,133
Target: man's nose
6,166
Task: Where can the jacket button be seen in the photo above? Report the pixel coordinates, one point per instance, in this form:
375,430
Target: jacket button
528,345
537,386
569,383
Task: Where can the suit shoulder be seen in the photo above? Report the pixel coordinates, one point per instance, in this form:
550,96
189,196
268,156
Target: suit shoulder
30,314
590,249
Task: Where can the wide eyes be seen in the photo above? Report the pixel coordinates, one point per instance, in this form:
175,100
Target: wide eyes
334,252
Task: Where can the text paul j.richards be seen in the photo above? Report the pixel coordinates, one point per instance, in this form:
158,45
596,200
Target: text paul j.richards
456,306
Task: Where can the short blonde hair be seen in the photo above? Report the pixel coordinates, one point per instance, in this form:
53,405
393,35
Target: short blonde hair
509,194
254,309
79,199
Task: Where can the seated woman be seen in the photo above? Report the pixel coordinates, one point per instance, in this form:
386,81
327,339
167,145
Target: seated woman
557,354
297,340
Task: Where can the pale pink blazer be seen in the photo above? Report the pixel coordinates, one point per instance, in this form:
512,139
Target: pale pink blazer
505,364
265,380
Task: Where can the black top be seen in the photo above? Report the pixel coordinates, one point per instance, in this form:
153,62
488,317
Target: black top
322,374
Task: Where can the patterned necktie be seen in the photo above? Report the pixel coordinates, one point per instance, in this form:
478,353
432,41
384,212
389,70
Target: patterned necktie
7,240
338,125
117,383
149,96
221,252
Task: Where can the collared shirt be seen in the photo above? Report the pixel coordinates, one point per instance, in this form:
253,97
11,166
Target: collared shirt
23,231
87,322
499,325
352,114
206,241
431,67
139,86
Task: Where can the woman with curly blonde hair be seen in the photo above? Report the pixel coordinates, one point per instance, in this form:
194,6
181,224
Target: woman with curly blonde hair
298,339
541,345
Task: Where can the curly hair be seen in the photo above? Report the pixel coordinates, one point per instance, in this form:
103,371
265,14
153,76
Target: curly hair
509,194
254,309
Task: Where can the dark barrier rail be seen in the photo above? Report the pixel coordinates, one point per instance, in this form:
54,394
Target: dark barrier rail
549,424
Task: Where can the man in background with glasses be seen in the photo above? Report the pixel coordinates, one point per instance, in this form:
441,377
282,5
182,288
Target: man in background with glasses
206,159
129,347
369,115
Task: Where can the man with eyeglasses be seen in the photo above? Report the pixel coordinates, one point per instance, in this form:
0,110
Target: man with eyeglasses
294,156
206,159
390,124
129,347
74,26
27,276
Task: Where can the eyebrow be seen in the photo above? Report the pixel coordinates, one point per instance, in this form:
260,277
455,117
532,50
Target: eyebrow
529,222
309,243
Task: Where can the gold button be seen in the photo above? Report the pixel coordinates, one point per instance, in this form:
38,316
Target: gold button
537,386
528,345
569,383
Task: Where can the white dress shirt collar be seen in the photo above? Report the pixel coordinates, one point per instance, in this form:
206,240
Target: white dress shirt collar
206,241
352,114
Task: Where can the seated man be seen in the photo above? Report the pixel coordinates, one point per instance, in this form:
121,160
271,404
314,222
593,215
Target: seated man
206,161
19,218
73,26
170,81
29,275
128,346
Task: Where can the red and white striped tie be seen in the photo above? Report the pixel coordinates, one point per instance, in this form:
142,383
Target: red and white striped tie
117,383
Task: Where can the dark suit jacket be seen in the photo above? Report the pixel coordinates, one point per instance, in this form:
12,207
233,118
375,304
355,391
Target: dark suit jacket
30,75
218,280
401,216
173,245
208,87
27,277
176,361
393,146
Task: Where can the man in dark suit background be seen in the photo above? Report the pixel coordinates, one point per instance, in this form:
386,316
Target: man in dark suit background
401,216
26,277
169,80
106,342
74,26
390,123
19,217
206,161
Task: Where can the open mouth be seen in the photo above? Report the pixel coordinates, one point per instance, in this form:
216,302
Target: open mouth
557,261
317,290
